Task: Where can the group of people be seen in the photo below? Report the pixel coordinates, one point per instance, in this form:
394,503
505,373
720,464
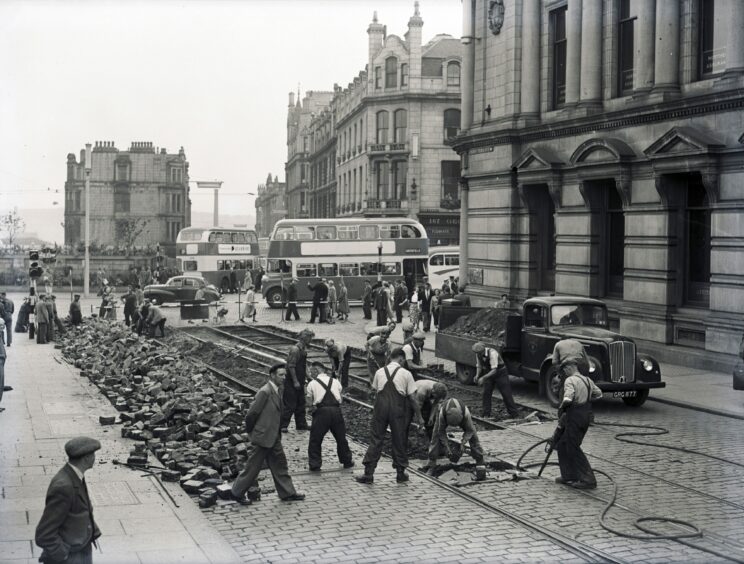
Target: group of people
330,302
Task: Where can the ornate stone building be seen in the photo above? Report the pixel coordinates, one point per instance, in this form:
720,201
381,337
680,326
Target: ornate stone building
271,205
389,128
297,167
602,155
143,191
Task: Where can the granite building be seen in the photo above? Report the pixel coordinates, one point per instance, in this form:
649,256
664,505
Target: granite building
271,205
602,155
143,191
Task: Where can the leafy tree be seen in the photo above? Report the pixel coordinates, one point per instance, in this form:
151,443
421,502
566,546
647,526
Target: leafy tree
129,229
13,224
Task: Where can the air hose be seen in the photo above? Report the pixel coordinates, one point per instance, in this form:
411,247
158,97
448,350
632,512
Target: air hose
651,534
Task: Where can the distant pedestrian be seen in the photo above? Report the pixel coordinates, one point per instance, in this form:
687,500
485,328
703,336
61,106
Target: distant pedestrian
332,297
392,387
367,300
51,324
3,355
76,314
320,300
296,369
436,304
57,321
140,295
503,303
292,301
425,297
258,278
7,307
249,310
262,424
24,312
41,315
340,357
233,278
414,311
67,530
400,299
343,300
324,399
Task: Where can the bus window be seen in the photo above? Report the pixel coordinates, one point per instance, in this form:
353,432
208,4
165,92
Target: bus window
453,260
308,270
189,266
391,268
239,238
284,234
389,231
326,232
436,260
368,268
368,232
348,232
410,232
218,237
328,269
348,269
240,265
195,235
279,265
252,238
304,233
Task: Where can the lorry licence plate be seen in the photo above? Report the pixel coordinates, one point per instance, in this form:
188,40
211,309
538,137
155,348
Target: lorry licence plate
625,394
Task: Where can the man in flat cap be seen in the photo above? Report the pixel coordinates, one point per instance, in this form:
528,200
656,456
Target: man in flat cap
292,301
413,352
76,314
453,413
491,372
66,529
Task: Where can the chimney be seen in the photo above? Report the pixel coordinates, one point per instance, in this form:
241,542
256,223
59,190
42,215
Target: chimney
413,38
291,100
376,32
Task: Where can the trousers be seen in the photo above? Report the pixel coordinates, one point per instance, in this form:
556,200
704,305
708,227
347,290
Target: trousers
293,401
500,381
571,459
84,556
41,334
277,461
292,310
8,330
327,418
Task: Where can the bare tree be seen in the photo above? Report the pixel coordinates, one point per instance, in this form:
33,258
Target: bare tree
129,229
13,224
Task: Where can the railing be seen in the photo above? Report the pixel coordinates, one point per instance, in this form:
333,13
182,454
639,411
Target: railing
377,148
397,146
377,204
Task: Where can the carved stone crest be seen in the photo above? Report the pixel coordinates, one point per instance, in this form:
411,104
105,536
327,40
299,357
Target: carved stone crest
496,11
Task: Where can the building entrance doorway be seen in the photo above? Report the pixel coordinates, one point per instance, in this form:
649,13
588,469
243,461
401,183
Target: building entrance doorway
542,237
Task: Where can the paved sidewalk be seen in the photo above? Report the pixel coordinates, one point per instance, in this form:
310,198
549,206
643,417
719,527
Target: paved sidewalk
49,404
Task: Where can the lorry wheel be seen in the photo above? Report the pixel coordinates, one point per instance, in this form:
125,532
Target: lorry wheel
552,386
465,373
637,401
274,298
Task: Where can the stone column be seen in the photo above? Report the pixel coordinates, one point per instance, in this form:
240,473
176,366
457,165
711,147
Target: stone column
531,57
573,51
643,60
666,62
464,205
734,14
468,65
591,51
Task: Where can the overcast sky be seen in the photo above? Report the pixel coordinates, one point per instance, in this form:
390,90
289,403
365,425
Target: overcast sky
211,76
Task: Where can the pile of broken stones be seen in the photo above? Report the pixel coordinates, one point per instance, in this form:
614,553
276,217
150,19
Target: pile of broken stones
173,407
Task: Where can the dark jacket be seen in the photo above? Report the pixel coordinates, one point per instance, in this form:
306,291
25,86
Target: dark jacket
42,313
292,292
67,523
8,306
320,292
401,295
262,419
424,302
130,302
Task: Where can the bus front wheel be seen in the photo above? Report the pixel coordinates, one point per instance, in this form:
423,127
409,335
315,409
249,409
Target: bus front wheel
274,298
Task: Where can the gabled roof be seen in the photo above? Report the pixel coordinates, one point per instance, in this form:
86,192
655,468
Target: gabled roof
442,46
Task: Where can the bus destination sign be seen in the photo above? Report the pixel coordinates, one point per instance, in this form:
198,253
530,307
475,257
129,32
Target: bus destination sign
234,249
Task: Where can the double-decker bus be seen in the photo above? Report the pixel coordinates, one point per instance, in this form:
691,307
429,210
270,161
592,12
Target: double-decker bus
355,249
215,253
443,263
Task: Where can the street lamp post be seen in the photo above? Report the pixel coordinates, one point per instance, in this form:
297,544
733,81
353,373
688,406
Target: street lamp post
379,261
86,269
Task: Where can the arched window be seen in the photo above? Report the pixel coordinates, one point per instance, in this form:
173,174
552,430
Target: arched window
401,124
382,127
391,72
451,123
453,74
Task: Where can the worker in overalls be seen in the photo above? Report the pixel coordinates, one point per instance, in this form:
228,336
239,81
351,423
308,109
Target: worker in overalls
570,352
324,398
293,394
453,413
413,353
574,415
378,352
393,388
491,372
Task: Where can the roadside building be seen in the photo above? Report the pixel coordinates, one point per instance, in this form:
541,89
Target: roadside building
297,167
322,161
271,205
601,151
138,197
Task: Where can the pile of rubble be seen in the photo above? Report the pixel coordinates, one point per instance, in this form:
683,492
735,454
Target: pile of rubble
191,421
483,324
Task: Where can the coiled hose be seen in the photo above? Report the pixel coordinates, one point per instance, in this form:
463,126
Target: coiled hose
649,430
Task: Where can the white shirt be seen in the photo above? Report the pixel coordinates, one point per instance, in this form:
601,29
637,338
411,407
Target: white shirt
315,391
409,349
403,380
77,470
575,389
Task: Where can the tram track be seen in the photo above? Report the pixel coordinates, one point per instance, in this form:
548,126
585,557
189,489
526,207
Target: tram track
270,342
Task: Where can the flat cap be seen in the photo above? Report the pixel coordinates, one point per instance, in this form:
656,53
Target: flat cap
479,347
80,446
419,335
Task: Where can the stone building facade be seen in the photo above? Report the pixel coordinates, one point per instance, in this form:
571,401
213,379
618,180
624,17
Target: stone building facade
389,129
297,167
271,205
143,187
602,155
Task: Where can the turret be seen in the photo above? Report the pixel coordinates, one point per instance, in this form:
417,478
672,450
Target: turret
376,32
413,38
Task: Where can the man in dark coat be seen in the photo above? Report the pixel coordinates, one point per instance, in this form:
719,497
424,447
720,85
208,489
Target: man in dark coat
67,529
262,424
130,305
400,297
6,312
258,278
425,295
292,301
41,314
320,299
367,300
76,314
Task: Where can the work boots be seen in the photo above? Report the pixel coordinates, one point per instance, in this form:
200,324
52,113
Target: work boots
368,477
402,475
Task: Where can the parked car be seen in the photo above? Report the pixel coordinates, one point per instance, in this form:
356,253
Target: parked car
530,335
180,289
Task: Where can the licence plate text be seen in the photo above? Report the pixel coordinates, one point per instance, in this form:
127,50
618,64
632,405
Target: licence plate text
625,394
